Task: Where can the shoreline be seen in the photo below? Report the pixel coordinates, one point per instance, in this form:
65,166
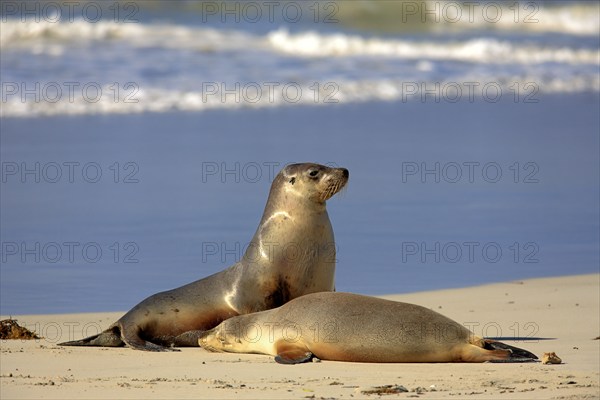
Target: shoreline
391,296
559,314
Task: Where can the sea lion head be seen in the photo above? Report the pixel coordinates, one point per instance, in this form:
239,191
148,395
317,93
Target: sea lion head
225,337
315,182
214,340
241,334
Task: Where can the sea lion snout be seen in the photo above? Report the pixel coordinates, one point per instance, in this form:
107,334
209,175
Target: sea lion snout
205,338
334,180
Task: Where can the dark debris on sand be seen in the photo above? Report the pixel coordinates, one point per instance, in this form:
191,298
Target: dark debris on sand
386,389
9,329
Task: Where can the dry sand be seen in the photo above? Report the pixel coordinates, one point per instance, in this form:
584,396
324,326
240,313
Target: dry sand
552,314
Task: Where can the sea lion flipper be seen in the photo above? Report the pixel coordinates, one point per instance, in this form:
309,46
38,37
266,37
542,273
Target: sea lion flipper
513,360
141,344
149,346
292,354
112,338
188,339
516,354
294,358
109,338
487,350
132,339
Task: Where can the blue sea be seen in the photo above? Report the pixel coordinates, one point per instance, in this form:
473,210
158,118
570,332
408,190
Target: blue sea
138,141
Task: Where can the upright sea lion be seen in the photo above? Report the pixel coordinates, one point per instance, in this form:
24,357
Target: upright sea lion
291,254
351,327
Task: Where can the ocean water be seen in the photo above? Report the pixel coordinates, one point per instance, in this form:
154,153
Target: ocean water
193,56
139,139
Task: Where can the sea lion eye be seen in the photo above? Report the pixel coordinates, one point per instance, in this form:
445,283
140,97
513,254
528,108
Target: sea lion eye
293,180
313,173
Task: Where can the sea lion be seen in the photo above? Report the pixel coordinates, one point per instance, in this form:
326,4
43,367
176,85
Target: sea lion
350,327
291,254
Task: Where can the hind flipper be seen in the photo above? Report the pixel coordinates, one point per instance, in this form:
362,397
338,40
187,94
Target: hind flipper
109,338
516,354
496,352
513,360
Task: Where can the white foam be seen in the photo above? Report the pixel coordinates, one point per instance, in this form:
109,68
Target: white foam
31,34
164,100
16,33
480,50
53,38
576,19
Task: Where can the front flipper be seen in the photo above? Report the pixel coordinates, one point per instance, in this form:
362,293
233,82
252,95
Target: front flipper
188,339
292,354
144,345
132,339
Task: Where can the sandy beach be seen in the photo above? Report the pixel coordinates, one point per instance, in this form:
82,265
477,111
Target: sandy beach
542,315
139,141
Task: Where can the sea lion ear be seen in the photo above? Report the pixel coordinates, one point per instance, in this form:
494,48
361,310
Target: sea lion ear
293,180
